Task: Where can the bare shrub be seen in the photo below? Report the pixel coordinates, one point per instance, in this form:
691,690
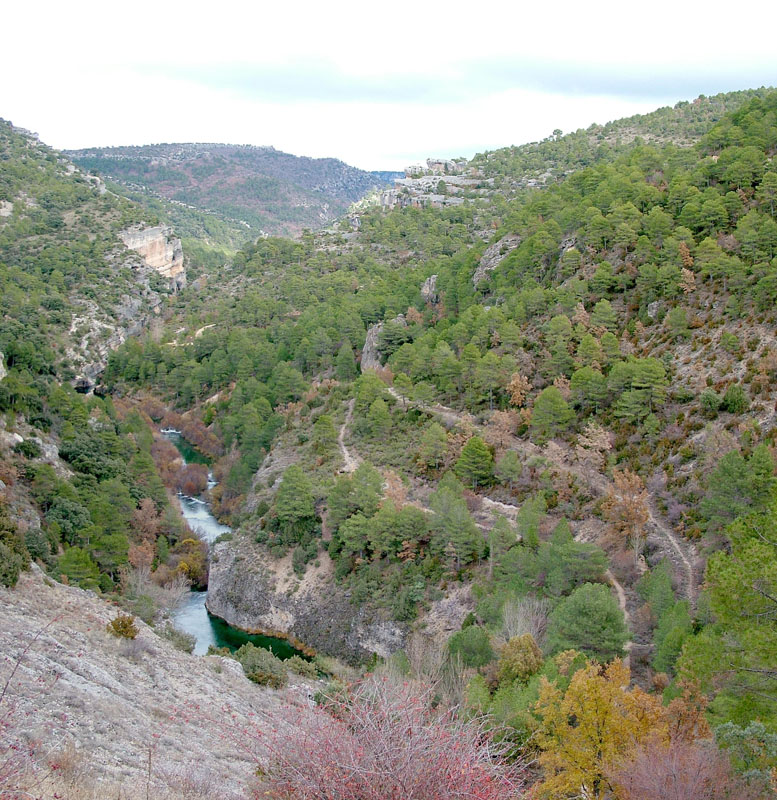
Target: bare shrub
382,742
682,771
192,479
435,666
526,615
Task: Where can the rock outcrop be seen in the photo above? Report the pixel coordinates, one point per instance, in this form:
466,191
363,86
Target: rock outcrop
160,250
371,351
494,255
251,591
370,354
429,290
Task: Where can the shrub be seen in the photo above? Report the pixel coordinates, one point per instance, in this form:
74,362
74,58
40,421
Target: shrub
179,639
261,666
735,400
519,660
305,668
473,645
381,741
123,626
28,448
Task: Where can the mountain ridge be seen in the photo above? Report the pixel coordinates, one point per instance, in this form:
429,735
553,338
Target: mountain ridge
266,189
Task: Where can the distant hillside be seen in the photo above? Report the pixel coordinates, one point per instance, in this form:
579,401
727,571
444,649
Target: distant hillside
541,162
251,189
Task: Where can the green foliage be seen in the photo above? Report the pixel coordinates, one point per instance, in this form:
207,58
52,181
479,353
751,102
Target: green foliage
123,626
475,464
79,569
589,620
472,645
294,505
735,400
180,640
519,660
551,415
305,668
739,486
261,666
433,446
14,556
752,749
674,627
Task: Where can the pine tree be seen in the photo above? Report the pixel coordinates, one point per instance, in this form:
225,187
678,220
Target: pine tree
294,504
433,446
345,364
588,620
551,414
475,464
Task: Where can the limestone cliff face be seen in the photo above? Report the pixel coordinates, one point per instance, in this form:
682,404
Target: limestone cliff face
160,250
494,255
371,352
251,591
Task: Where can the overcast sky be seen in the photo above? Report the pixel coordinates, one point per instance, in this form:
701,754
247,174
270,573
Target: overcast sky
379,85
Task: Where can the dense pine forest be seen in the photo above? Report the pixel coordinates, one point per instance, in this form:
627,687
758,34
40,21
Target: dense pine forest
528,440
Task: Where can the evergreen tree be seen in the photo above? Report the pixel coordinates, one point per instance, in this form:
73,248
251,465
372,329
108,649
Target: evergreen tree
589,620
476,462
509,468
294,505
551,415
345,363
433,446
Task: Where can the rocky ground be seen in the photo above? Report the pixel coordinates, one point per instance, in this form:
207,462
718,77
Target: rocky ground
117,718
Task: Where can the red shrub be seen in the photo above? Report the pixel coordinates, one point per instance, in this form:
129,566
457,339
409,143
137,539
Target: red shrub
682,771
382,742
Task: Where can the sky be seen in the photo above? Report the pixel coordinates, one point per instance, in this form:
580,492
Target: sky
378,85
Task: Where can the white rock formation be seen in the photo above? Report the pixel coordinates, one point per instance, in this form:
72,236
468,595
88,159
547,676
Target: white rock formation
494,255
160,250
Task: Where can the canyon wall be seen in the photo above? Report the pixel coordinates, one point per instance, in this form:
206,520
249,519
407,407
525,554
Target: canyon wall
160,250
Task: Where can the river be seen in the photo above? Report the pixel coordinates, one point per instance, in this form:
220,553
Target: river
192,617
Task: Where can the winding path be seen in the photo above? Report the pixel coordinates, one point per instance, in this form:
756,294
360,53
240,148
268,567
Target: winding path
350,462
679,552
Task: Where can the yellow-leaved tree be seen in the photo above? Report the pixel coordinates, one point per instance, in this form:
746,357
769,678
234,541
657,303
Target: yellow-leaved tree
591,727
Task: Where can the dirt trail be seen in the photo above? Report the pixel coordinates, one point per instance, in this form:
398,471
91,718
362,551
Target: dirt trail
202,330
621,594
680,552
669,535
350,462
509,510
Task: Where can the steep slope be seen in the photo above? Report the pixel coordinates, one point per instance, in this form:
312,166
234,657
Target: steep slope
539,163
259,188
99,713
71,288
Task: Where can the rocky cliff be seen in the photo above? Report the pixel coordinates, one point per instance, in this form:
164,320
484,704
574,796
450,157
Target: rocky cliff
160,250
494,255
256,593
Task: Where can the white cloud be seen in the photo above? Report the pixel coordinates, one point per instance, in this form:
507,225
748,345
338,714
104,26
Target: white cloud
453,77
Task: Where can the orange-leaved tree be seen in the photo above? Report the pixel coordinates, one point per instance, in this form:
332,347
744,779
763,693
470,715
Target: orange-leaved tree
596,723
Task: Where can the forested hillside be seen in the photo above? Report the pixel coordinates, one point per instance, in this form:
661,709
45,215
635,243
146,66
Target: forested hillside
69,288
229,194
526,442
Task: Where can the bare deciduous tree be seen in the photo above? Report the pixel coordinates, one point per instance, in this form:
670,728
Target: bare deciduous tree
626,509
681,771
525,615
